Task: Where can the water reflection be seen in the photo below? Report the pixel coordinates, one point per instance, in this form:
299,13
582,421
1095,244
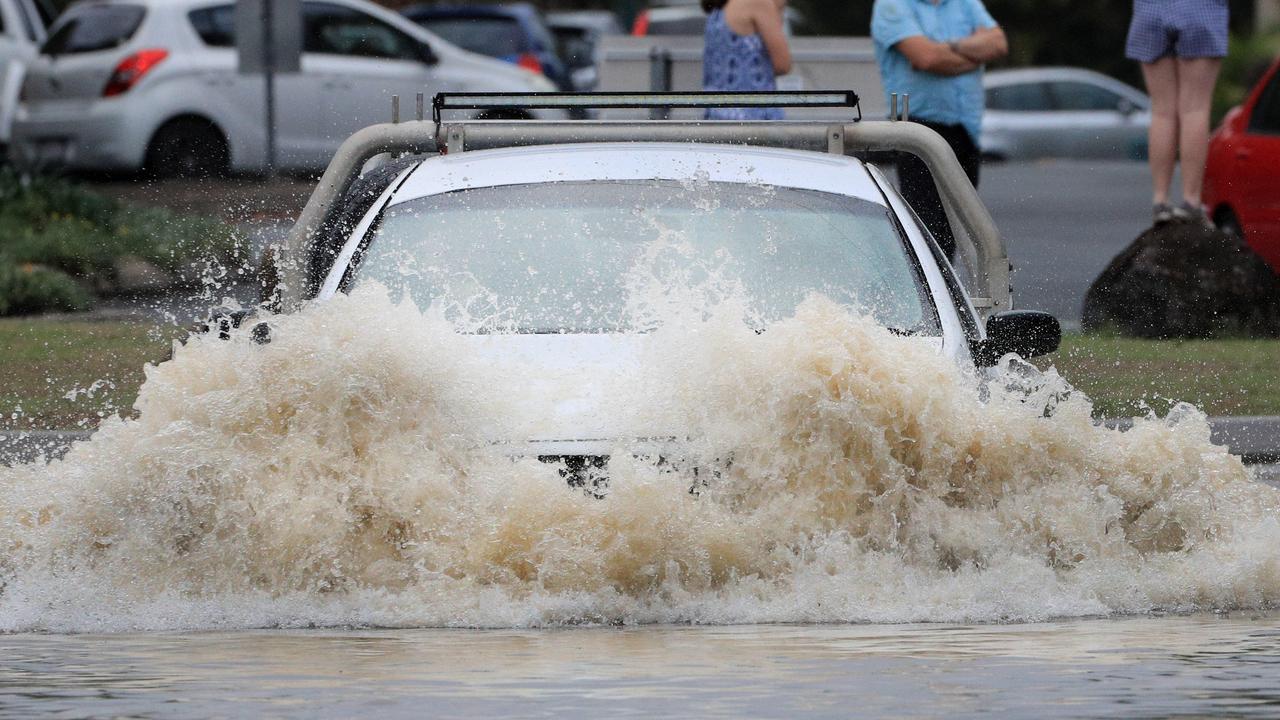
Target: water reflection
1148,666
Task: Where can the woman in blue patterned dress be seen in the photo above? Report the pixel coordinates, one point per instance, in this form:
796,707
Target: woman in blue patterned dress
745,49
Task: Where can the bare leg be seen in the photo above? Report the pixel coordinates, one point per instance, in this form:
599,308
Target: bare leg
1196,78
1161,77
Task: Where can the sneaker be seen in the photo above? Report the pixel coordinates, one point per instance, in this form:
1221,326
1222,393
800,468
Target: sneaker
1162,213
1192,213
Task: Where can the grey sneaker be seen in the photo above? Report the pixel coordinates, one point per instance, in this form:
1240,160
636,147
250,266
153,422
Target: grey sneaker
1162,213
1196,212
1192,213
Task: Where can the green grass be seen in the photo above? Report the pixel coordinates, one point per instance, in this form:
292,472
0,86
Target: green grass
44,360
1222,377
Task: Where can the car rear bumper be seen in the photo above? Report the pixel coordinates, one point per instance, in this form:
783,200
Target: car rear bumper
95,135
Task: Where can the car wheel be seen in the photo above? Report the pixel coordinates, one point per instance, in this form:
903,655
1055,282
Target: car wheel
1228,223
187,147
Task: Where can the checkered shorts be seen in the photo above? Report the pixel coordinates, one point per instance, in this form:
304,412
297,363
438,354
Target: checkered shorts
1184,28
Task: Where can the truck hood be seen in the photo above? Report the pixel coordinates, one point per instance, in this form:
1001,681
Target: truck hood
576,394
553,394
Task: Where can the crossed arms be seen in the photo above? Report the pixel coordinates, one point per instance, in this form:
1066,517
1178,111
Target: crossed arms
957,57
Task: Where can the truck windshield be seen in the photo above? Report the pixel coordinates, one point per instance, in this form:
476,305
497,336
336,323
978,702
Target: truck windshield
584,256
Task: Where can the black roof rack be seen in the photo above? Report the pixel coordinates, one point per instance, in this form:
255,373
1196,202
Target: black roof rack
604,100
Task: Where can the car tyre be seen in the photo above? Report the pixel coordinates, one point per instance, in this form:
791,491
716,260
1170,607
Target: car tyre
188,148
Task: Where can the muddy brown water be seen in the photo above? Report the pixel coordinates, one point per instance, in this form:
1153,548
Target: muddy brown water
1190,666
211,557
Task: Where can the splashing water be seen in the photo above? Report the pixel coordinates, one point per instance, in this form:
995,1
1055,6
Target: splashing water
345,473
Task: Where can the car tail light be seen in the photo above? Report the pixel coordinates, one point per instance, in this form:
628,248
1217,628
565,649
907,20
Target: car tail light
529,61
131,69
641,25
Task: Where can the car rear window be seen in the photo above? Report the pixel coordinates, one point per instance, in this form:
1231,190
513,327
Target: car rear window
1019,97
216,25
492,36
1083,96
574,46
89,28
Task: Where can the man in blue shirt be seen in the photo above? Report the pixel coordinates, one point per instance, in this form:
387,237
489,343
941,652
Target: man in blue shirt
934,50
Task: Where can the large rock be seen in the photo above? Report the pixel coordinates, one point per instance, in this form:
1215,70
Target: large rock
1185,280
135,275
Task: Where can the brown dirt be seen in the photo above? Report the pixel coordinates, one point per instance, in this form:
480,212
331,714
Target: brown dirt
236,200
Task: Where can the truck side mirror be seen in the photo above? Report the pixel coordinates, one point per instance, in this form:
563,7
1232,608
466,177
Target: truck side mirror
1029,333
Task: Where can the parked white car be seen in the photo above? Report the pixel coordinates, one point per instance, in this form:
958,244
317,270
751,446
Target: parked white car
1063,112
22,31
153,84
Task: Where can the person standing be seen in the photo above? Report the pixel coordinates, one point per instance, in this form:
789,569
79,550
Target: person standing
934,51
1180,44
745,48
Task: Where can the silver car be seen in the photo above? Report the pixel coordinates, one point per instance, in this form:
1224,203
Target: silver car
153,84
1063,112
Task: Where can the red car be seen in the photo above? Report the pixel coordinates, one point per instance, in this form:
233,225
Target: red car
1242,176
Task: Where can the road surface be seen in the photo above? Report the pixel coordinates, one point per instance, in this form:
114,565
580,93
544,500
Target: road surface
1063,221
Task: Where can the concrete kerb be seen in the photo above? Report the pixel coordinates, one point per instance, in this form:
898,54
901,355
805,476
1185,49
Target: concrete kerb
24,446
1255,438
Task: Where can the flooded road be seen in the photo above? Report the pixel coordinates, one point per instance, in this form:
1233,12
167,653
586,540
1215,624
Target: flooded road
817,478
1202,665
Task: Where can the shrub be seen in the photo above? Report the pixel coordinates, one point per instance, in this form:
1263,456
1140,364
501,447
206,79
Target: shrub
172,241
68,233
1248,57
33,199
70,244
27,288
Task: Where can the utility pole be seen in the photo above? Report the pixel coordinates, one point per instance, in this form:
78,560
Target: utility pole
269,81
1266,15
269,41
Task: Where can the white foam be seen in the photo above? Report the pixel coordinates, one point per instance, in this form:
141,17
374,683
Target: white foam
341,475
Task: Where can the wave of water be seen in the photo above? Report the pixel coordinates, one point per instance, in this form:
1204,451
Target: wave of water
344,474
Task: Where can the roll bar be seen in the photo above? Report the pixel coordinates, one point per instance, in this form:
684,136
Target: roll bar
620,100
976,235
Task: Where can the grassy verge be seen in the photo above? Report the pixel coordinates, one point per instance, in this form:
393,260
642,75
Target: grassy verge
69,375
45,360
1223,377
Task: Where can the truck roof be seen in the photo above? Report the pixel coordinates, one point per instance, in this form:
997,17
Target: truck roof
825,172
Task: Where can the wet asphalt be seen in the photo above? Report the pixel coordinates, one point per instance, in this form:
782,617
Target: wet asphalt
1063,221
